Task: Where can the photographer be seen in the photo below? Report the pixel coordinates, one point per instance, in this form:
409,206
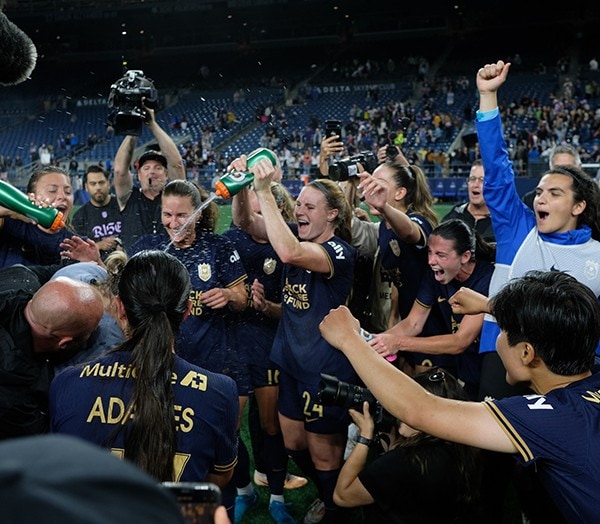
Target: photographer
397,486
140,206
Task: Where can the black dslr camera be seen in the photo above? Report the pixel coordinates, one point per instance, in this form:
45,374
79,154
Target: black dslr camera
334,392
344,169
125,97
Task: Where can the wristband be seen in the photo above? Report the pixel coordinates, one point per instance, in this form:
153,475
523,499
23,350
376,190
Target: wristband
364,440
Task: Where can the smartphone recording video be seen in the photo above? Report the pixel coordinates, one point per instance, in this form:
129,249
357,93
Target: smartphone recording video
333,127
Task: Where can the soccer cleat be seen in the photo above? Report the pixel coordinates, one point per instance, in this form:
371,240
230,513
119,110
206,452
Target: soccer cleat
291,481
242,504
278,510
315,513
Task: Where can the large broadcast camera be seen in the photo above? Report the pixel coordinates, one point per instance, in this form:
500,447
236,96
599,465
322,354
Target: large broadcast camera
125,97
334,392
344,169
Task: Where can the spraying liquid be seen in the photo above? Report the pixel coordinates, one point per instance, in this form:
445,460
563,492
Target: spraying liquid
192,217
230,184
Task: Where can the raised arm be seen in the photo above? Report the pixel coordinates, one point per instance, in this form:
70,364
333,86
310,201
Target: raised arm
458,421
245,217
489,79
307,255
123,179
167,147
375,192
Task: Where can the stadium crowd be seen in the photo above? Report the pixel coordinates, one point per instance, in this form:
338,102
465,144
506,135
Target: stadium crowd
477,332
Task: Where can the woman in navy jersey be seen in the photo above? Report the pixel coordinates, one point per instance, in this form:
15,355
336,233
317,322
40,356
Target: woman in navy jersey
318,273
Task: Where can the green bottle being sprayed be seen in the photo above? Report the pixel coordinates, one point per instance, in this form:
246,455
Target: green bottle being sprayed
233,182
13,199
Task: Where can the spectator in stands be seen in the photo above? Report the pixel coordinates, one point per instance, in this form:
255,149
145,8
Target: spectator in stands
475,212
100,218
457,258
21,241
35,328
561,233
174,430
561,155
140,206
550,329
396,486
317,274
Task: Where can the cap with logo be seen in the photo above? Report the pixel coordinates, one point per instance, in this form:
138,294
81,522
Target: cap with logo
152,154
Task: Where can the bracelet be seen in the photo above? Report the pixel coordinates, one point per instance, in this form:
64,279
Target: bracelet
364,440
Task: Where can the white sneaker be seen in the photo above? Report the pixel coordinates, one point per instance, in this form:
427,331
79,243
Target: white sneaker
315,513
291,481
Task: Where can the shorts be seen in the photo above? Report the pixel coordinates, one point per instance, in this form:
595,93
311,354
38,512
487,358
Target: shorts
297,401
262,375
236,367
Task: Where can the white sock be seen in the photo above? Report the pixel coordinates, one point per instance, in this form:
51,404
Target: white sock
278,498
246,490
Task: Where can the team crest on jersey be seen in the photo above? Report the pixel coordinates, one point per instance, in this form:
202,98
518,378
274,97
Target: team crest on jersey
204,272
269,266
591,269
395,247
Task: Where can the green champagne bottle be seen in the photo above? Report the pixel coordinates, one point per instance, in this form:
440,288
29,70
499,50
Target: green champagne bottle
233,182
13,199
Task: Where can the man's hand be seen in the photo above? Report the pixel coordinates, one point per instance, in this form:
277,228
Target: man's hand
149,114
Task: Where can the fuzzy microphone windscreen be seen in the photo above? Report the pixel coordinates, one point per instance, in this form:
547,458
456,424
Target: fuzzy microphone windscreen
18,54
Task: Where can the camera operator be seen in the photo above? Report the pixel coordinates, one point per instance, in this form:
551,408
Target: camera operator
140,206
397,486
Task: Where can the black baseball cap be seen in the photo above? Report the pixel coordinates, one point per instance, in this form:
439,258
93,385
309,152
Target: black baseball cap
152,154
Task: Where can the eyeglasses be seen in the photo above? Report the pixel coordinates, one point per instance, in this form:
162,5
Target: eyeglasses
475,179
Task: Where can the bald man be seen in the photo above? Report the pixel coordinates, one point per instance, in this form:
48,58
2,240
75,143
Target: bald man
34,329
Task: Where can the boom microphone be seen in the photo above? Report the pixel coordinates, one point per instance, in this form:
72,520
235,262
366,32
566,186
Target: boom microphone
17,53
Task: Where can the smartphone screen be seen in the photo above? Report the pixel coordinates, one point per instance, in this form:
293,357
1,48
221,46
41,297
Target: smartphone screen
333,127
197,500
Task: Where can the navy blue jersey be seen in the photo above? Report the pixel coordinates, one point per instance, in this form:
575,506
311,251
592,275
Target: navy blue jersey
402,263
89,401
212,262
433,293
251,331
27,244
559,433
307,297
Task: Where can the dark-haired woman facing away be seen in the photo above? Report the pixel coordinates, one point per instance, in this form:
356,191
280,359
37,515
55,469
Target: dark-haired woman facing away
420,478
176,421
